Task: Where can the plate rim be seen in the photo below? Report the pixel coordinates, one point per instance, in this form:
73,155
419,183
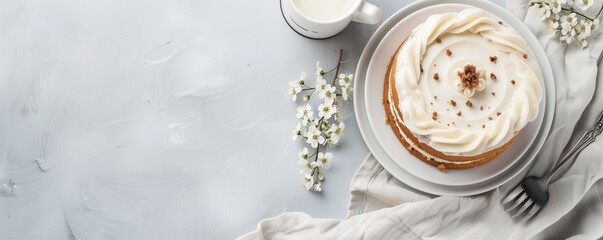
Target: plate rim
420,184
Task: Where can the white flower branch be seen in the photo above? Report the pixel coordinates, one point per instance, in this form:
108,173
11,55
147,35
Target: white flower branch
567,18
322,130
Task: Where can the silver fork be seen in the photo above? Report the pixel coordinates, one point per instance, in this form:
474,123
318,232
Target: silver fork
531,194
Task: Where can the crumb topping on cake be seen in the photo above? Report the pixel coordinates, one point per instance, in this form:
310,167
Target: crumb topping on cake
469,76
471,79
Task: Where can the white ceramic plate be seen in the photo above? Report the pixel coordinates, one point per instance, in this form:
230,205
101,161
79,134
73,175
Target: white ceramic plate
392,166
373,99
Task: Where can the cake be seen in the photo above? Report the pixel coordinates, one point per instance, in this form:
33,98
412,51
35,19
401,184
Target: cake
460,88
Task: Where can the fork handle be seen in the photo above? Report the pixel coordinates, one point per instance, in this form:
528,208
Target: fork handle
587,138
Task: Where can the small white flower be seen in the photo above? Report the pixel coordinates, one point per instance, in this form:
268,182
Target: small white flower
295,84
571,33
301,80
314,137
304,111
330,101
321,81
321,84
553,26
339,129
324,160
305,114
326,110
345,79
556,7
595,25
315,123
317,187
327,93
332,139
569,20
568,32
306,165
306,98
311,124
320,176
567,29
308,181
582,43
294,89
319,71
346,92
306,121
545,11
335,133
583,4
297,131
584,29
302,156
566,39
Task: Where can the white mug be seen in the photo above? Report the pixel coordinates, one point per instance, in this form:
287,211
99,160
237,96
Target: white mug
320,19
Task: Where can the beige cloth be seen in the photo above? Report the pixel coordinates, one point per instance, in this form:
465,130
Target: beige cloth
381,207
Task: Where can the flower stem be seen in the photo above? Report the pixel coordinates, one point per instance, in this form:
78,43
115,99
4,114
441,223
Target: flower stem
333,69
571,10
315,160
338,65
317,150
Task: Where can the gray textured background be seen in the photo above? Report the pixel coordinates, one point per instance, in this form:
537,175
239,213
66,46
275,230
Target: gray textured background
159,119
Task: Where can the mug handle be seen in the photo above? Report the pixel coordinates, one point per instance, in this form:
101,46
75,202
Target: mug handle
367,13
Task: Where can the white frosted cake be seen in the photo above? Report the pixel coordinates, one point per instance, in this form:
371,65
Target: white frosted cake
460,88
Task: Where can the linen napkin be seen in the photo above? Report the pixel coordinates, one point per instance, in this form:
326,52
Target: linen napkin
381,207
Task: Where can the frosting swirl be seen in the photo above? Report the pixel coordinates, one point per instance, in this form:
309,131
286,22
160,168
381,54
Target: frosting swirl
501,98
